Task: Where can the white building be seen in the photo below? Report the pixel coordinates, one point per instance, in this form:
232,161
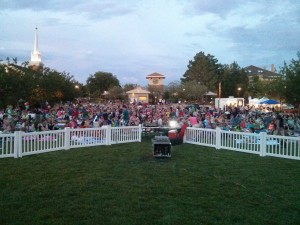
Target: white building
138,95
36,58
230,101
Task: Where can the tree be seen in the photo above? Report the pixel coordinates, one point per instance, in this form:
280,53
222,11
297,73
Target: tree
173,91
55,86
129,87
193,91
100,82
12,86
115,93
15,60
155,93
255,87
276,89
292,76
234,81
36,86
204,70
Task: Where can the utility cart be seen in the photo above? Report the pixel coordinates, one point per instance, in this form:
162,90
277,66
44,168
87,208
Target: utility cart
161,146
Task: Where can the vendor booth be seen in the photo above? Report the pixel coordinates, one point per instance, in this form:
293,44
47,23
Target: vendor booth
229,102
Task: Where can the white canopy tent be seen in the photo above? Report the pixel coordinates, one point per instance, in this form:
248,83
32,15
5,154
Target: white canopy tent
256,101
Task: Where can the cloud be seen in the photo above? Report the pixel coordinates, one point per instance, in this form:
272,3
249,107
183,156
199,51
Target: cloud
134,38
273,32
208,6
92,9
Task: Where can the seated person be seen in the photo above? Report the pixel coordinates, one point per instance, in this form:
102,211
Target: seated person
182,131
193,120
43,126
7,125
83,124
271,127
242,124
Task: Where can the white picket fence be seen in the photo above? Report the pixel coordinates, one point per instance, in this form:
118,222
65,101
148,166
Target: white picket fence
261,144
20,144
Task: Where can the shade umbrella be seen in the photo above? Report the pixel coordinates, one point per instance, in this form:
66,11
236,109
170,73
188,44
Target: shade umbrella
269,102
210,93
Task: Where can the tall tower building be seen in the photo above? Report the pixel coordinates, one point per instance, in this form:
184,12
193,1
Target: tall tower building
155,84
36,59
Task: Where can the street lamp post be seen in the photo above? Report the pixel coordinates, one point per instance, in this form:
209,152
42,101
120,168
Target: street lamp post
239,89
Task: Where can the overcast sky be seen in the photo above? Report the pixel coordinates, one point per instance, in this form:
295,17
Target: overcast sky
134,38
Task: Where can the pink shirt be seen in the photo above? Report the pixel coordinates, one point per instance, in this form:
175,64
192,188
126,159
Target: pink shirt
193,120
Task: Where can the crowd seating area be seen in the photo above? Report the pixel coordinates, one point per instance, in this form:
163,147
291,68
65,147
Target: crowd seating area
154,118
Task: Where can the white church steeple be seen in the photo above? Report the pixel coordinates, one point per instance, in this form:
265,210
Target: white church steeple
36,59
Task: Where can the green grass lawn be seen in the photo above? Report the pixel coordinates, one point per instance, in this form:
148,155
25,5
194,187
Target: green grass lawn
124,184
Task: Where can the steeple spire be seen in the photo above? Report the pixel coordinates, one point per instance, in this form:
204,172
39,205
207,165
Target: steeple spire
36,59
36,44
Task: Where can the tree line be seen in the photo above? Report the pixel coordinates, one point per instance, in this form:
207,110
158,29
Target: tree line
20,83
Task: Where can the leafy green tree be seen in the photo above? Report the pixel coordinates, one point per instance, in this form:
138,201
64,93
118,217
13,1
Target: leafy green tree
116,92
234,81
292,75
36,86
254,88
173,91
12,87
204,70
259,88
100,82
276,89
59,86
155,93
3,86
15,60
193,92
80,90
128,87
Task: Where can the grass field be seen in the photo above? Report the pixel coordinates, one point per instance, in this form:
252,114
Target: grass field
124,184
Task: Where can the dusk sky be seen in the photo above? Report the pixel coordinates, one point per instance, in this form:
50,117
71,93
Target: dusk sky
132,39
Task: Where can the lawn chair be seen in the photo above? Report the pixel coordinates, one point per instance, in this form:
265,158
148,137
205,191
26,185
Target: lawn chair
177,138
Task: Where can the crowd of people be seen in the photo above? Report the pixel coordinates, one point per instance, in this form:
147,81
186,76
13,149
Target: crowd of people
87,114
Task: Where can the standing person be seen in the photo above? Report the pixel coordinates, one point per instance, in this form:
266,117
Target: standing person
279,125
105,117
125,115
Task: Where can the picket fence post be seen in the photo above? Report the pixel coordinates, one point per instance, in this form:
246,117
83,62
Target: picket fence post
140,132
67,132
263,143
218,138
16,144
108,134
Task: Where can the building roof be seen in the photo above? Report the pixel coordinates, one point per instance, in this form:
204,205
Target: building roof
254,70
155,75
138,90
210,93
